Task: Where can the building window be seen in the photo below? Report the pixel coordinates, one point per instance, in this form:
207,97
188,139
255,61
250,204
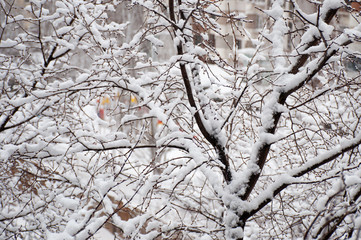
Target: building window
249,44
211,40
257,21
198,40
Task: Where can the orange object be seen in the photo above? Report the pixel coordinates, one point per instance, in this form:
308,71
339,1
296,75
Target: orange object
105,100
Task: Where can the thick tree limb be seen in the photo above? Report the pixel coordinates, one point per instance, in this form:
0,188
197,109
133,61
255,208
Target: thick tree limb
264,148
282,184
211,138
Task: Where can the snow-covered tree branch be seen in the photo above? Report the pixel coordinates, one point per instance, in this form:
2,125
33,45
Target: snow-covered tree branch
180,119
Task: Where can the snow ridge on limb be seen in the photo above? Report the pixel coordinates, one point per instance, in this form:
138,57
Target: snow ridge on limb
211,135
287,179
172,140
290,82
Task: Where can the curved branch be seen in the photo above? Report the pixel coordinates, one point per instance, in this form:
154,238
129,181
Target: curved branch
211,138
281,97
317,162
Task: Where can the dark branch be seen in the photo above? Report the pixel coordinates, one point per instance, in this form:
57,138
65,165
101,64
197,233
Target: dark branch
211,138
264,149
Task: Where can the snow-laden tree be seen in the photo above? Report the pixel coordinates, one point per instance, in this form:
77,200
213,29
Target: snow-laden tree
124,115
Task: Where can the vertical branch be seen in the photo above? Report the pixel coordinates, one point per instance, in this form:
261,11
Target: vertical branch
211,138
262,152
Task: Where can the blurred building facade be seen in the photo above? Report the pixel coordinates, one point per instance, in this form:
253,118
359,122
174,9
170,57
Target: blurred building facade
240,35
